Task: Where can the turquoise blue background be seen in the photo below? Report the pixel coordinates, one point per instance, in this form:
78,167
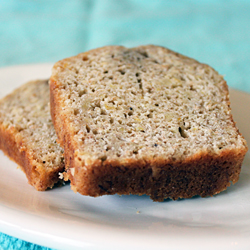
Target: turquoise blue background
216,32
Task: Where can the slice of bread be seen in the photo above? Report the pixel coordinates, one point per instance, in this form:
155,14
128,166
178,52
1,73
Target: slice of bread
144,120
27,134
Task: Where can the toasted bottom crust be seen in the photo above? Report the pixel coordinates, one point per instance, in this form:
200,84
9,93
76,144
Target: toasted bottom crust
203,175
38,177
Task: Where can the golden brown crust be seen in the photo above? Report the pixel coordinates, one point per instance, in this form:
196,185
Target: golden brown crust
203,175
12,146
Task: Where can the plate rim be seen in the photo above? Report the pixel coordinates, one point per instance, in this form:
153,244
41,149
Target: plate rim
16,229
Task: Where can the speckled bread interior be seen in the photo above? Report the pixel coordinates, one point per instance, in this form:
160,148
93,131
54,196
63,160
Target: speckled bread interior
144,120
27,134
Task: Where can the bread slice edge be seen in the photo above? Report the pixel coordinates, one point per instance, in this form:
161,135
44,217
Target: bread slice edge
13,146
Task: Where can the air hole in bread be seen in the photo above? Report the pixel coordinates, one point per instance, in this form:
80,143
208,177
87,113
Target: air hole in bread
95,132
87,128
182,133
103,158
76,111
111,120
150,115
192,88
82,92
143,53
103,112
122,72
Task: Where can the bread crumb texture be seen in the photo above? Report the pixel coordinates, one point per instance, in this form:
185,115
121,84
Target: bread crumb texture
132,103
143,104
28,135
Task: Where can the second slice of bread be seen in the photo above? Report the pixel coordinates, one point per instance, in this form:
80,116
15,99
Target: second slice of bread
144,120
27,134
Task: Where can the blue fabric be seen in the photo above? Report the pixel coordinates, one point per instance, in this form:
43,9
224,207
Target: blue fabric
212,31
10,243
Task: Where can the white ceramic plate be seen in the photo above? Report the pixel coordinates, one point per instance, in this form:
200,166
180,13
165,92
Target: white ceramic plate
63,220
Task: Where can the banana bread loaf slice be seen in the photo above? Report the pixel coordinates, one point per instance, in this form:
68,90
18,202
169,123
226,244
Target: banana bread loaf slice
27,134
144,120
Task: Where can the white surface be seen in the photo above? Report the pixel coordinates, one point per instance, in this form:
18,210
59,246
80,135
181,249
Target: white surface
63,220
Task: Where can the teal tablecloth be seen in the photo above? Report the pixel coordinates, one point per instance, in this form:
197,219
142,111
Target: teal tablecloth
216,32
